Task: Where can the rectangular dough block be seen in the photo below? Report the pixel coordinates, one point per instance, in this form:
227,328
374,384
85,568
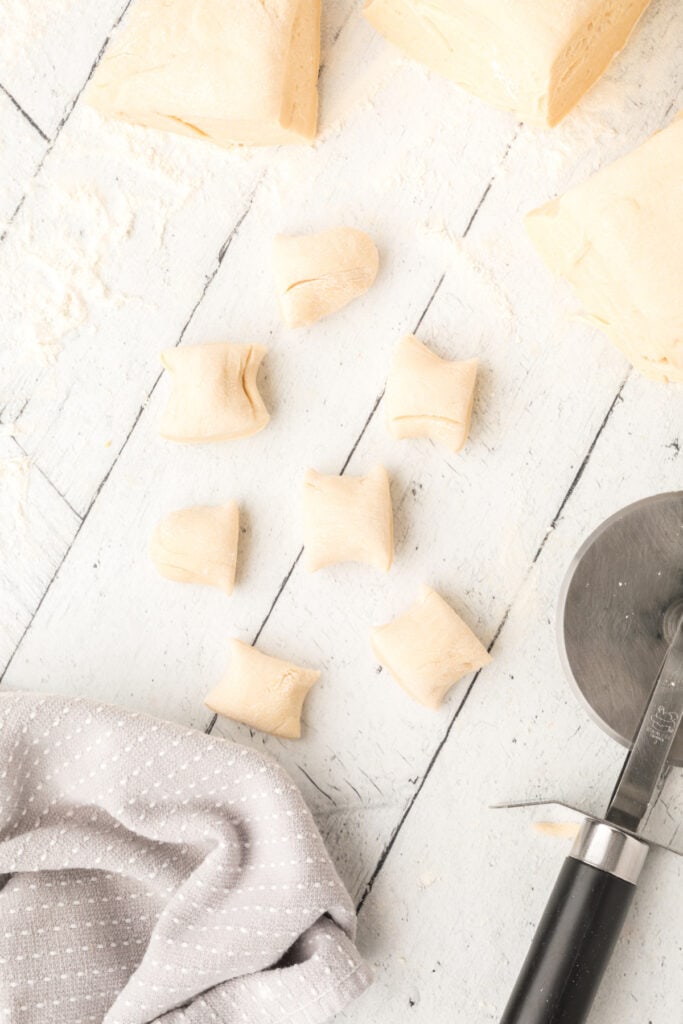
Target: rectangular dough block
231,71
618,240
536,57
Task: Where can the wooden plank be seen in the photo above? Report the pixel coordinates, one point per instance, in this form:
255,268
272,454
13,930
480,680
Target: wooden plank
36,529
461,878
47,50
21,148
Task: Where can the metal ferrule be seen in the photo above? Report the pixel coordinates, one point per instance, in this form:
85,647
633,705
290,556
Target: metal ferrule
609,849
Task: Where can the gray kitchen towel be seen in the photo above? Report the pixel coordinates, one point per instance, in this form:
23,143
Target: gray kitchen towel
152,873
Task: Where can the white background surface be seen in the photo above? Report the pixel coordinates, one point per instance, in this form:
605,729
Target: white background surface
119,242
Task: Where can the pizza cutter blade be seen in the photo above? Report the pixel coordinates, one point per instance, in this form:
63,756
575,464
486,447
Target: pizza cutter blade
621,639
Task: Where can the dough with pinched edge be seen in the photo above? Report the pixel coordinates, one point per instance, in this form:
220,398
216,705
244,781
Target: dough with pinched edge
536,57
230,71
198,545
262,692
428,396
617,238
428,649
348,519
214,396
316,275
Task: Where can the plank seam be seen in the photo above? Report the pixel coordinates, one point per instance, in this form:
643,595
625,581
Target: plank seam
27,117
575,480
46,478
82,519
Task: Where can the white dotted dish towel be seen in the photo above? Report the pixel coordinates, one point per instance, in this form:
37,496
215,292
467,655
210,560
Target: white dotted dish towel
152,873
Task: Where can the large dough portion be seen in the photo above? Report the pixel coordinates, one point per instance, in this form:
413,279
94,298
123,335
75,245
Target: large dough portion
427,396
536,57
263,692
231,71
348,519
618,239
428,649
198,545
316,275
214,396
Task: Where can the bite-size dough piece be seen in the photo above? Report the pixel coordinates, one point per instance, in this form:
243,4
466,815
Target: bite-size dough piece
348,519
427,396
262,692
536,57
214,396
230,71
428,649
316,275
198,545
618,239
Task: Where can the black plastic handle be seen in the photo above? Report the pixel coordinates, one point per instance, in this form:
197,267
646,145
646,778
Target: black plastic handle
571,948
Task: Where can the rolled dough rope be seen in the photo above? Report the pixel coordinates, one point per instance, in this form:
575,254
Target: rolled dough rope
617,239
348,519
428,649
536,57
427,396
316,275
230,71
214,396
198,545
262,692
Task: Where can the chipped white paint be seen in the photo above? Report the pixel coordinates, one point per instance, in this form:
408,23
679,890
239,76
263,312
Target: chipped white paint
128,242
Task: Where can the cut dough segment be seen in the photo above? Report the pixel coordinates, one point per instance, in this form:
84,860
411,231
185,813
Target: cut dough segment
428,649
536,57
617,239
316,275
428,396
198,545
263,692
348,519
230,71
214,396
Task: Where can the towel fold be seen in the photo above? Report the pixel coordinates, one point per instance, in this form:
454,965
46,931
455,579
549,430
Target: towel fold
152,873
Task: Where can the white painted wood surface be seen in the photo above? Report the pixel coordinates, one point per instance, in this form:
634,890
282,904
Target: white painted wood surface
119,242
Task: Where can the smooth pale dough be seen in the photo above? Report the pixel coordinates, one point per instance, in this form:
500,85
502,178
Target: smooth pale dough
316,275
536,57
263,692
231,71
427,396
618,239
198,545
428,649
214,396
348,519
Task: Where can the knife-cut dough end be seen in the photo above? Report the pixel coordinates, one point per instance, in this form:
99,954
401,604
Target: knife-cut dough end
263,692
316,275
231,72
616,238
428,649
198,545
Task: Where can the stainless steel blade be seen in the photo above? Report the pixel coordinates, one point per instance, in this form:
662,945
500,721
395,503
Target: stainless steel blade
637,783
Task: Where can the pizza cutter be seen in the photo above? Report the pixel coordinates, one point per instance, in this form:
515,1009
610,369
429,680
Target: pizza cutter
620,625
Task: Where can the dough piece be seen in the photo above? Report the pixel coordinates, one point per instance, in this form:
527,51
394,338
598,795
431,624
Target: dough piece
214,396
428,649
316,275
263,692
428,396
536,57
230,71
198,545
348,519
618,240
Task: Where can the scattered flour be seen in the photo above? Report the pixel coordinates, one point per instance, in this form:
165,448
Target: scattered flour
15,473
